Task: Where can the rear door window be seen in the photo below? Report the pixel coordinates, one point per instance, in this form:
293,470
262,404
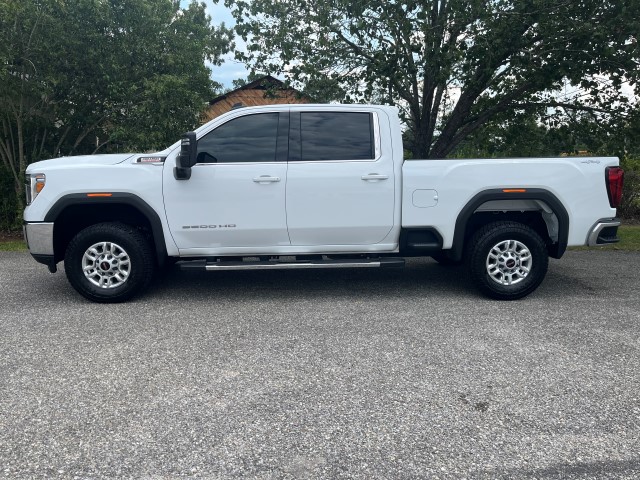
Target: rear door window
336,136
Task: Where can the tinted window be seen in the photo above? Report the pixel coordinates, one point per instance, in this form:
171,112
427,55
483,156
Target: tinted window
251,138
336,136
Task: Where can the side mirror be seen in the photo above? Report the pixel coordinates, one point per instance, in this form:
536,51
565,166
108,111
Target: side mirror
187,157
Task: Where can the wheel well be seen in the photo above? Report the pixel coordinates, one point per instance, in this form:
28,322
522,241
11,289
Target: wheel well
533,219
75,218
536,208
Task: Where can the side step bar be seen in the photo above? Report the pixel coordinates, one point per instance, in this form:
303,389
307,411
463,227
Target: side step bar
281,265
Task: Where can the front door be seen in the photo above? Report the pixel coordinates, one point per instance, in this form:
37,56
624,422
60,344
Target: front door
235,198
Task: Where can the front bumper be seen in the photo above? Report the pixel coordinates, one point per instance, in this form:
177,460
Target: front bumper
604,232
39,238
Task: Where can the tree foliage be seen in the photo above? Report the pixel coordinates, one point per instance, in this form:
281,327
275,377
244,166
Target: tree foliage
450,65
83,76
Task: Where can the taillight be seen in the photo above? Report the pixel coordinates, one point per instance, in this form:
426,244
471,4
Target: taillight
615,181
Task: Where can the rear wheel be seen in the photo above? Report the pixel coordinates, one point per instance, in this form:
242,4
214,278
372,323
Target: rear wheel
109,262
507,260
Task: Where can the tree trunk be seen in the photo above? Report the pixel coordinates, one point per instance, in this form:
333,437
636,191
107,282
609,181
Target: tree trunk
420,147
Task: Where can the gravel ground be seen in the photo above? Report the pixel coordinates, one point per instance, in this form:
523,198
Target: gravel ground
323,374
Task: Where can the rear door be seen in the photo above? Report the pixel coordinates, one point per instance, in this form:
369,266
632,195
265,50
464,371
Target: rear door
340,186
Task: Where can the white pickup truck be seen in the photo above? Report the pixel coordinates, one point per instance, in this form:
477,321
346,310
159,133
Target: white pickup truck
311,186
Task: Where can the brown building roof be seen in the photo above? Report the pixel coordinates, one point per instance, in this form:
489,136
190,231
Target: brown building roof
267,90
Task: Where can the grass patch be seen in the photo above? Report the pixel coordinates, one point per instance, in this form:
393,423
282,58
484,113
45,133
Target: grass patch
12,245
629,238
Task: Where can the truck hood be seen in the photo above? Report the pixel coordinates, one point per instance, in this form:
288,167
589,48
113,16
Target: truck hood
80,160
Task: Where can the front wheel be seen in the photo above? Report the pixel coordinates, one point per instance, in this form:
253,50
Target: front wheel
109,262
507,260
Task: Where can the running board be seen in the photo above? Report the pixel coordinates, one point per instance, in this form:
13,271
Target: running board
280,265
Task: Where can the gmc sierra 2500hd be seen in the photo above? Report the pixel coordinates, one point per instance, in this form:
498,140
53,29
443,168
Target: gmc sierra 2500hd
311,186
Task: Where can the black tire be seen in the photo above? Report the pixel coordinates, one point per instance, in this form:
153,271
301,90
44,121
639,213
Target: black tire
489,273
128,274
444,259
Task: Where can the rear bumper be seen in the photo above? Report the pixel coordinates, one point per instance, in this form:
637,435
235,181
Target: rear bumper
604,232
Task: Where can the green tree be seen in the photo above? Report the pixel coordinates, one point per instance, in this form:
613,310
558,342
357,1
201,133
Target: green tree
450,65
519,135
83,76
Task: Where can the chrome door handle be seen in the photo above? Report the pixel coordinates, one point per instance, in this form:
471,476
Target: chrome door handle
374,176
266,179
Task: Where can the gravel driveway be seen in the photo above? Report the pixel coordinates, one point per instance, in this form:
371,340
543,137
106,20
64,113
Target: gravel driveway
323,374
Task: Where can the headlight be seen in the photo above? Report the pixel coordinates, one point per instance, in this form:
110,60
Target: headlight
34,185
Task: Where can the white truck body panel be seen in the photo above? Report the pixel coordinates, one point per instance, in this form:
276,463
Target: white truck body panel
228,196
79,175
577,182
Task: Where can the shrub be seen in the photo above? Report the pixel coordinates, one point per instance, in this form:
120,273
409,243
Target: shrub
630,207
10,217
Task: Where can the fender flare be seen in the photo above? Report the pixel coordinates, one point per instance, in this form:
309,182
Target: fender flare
116,198
556,250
